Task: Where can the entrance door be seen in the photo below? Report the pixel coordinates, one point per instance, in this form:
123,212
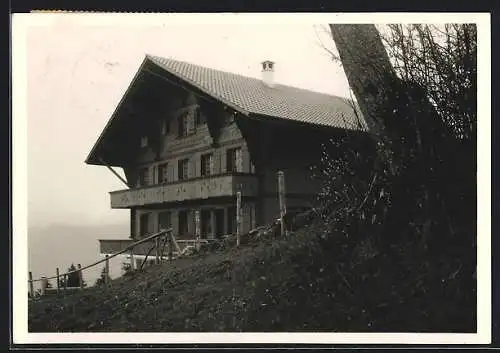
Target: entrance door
219,222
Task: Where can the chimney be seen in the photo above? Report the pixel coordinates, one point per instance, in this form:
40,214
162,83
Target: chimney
268,73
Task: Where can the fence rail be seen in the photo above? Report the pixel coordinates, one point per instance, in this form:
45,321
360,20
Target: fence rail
79,270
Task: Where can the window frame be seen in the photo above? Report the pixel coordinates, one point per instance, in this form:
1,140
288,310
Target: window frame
203,159
181,173
182,125
233,161
163,173
169,219
199,118
144,176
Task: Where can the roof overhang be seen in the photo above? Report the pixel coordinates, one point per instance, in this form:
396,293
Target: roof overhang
100,152
98,155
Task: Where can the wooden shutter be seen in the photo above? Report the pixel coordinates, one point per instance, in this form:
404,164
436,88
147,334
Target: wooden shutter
245,159
238,159
218,168
211,164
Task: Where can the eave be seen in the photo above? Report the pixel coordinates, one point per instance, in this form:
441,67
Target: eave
148,66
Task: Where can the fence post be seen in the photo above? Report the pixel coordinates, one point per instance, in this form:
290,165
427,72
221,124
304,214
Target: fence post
43,286
30,280
238,217
282,202
197,228
106,269
132,261
65,282
157,250
57,280
80,276
170,246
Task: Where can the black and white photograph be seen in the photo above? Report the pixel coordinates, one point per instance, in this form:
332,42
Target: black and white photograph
251,178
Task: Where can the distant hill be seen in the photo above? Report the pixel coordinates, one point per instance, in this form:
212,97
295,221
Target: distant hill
60,245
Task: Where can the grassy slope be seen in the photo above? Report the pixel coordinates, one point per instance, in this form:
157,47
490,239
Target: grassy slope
278,285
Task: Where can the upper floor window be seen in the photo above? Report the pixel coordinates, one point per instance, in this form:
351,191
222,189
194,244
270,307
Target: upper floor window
144,177
144,141
234,160
183,125
162,173
183,169
207,164
199,117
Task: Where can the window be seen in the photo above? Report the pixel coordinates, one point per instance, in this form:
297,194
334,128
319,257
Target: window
182,171
206,223
144,177
234,162
207,164
165,127
164,220
162,173
144,141
183,125
199,117
183,222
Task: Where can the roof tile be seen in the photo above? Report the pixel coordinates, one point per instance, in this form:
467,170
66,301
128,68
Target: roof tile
253,96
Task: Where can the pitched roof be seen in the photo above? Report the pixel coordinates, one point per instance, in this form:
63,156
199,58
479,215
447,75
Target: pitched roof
252,96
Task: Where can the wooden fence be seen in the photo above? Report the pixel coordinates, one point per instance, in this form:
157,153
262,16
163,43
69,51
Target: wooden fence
163,239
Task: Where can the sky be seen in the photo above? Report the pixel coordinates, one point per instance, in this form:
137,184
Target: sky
77,73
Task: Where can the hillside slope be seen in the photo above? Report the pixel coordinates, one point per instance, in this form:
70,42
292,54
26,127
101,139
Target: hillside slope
302,283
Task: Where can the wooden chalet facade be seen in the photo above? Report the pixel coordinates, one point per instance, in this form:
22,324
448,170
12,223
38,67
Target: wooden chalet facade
188,138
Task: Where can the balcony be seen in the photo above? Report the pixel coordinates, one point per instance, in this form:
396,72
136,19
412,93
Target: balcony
193,189
112,246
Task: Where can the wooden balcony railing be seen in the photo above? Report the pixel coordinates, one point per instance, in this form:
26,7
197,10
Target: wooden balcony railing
111,246
192,189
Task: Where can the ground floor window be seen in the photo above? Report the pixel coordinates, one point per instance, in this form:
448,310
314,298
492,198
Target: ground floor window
206,223
164,220
183,222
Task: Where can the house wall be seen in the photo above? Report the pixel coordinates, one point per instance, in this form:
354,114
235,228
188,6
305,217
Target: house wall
291,157
248,220
172,148
300,186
